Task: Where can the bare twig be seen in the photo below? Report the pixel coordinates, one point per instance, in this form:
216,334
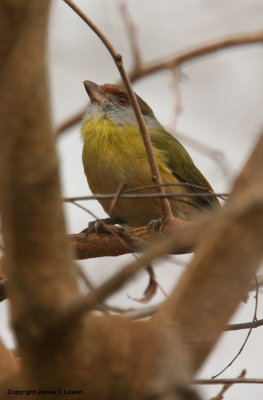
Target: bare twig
100,307
143,195
146,187
227,386
84,277
247,337
132,34
197,52
183,184
177,197
156,177
69,123
226,381
216,155
177,97
118,193
178,59
149,311
245,325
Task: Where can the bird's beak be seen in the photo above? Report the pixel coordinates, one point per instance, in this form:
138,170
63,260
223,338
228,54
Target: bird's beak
95,92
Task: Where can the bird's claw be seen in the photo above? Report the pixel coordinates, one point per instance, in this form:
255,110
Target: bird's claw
95,227
100,226
155,224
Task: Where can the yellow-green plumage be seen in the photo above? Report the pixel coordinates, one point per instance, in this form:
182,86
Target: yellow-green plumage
114,154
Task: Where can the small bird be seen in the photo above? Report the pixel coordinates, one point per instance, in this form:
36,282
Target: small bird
114,155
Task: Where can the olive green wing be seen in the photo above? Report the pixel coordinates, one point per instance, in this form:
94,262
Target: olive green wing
182,167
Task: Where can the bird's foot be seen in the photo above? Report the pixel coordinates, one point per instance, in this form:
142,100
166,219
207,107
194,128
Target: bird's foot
165,225
106,225
155,225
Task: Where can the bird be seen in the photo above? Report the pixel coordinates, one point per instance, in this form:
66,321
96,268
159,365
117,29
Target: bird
114,156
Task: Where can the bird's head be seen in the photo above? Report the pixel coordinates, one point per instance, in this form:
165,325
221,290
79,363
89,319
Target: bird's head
113,102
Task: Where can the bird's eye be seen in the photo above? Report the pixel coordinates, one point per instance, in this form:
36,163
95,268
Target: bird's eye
123,100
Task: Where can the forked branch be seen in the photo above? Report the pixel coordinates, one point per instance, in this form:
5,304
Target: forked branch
177,60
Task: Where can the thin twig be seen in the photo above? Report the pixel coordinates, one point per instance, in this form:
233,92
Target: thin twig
226,381
179,198
132,34
245,325
100,307
118,193
247,337
187,184
216,155
123,195
84,277
197,52
75,119
204,148
177,97
156,177
178,59
228,386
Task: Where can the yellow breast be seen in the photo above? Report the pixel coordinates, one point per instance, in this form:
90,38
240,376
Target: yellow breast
116,154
